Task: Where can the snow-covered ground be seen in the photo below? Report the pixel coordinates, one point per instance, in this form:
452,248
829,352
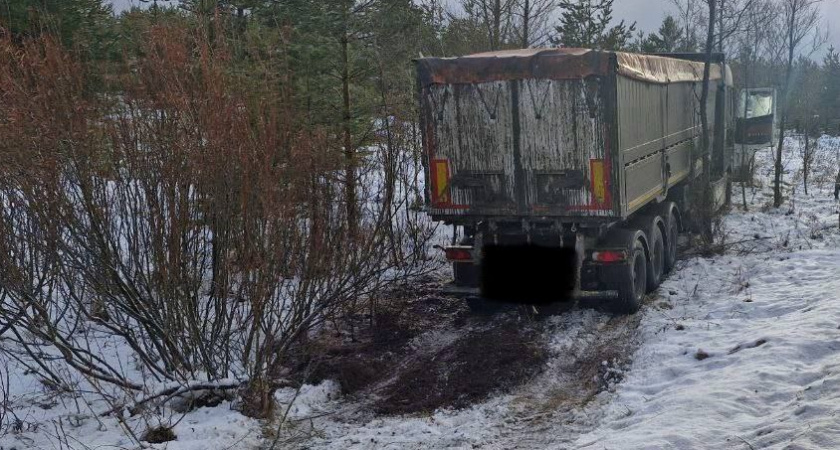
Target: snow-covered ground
747,352
740,350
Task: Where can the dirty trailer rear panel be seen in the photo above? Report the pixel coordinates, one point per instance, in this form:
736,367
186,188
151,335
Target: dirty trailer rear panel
556,134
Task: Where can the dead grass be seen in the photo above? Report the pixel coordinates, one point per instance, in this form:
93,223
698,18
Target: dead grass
159,435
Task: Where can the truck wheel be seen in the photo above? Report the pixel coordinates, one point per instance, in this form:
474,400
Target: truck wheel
631,290
657,257
671,244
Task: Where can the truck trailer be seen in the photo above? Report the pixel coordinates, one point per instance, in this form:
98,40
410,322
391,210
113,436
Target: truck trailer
568,167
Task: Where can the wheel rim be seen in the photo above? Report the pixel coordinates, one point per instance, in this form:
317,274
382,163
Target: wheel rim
672,241
639,276
658,260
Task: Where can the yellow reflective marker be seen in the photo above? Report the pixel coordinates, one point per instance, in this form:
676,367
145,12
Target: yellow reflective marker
599,187
440,181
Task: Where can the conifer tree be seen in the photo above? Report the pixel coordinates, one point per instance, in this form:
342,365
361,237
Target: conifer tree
586,24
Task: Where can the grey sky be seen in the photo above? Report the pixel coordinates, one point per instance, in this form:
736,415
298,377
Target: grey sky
648,14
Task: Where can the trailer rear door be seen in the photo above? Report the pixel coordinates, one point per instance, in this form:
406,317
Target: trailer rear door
524,145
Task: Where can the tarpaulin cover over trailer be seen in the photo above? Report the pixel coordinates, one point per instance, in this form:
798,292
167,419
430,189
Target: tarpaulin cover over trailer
547,133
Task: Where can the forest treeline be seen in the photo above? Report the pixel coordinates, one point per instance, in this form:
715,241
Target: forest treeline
366,46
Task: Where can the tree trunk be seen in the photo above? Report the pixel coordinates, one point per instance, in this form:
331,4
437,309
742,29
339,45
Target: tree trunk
777,178
744,183
526,23
497,25
806,161
705,207
349,153
746,172
720,26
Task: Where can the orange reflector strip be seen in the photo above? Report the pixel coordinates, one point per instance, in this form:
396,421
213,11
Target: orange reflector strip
440,181
599,185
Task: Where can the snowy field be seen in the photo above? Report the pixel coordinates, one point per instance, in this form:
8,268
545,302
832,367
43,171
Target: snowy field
747,352
739,350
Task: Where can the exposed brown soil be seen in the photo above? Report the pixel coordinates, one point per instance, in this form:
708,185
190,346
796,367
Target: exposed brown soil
381,361
476,365
424,351
363,352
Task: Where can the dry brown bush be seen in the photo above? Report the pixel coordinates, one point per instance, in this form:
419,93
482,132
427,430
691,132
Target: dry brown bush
191,216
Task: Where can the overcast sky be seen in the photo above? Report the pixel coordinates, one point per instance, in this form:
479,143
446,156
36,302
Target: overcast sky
648,14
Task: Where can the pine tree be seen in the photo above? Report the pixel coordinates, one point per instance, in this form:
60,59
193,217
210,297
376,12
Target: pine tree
668,39
586,24
82,23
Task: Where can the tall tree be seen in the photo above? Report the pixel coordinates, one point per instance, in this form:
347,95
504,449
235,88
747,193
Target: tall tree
463,35
693,16
799,20
752,48
704,210
531,21
586,23
830,96
331,61
495,17
692,20
715,12
345,55
668,39
805,95
84,24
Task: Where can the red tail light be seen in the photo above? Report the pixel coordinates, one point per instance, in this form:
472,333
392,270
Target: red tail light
459,253
609,256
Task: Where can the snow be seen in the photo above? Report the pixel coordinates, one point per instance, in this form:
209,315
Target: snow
768,318
772,365
766,314
205,428
310,400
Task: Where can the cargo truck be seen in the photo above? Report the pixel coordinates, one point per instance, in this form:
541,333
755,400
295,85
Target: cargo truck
582,154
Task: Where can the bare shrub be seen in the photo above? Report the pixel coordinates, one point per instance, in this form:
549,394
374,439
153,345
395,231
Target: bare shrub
7,414
191,217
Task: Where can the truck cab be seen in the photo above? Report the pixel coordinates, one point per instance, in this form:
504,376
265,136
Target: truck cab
756,127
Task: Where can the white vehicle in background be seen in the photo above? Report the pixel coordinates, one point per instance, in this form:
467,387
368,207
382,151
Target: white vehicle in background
755,128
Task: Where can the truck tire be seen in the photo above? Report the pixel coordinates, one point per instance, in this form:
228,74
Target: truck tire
631,290
671,244
656,268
